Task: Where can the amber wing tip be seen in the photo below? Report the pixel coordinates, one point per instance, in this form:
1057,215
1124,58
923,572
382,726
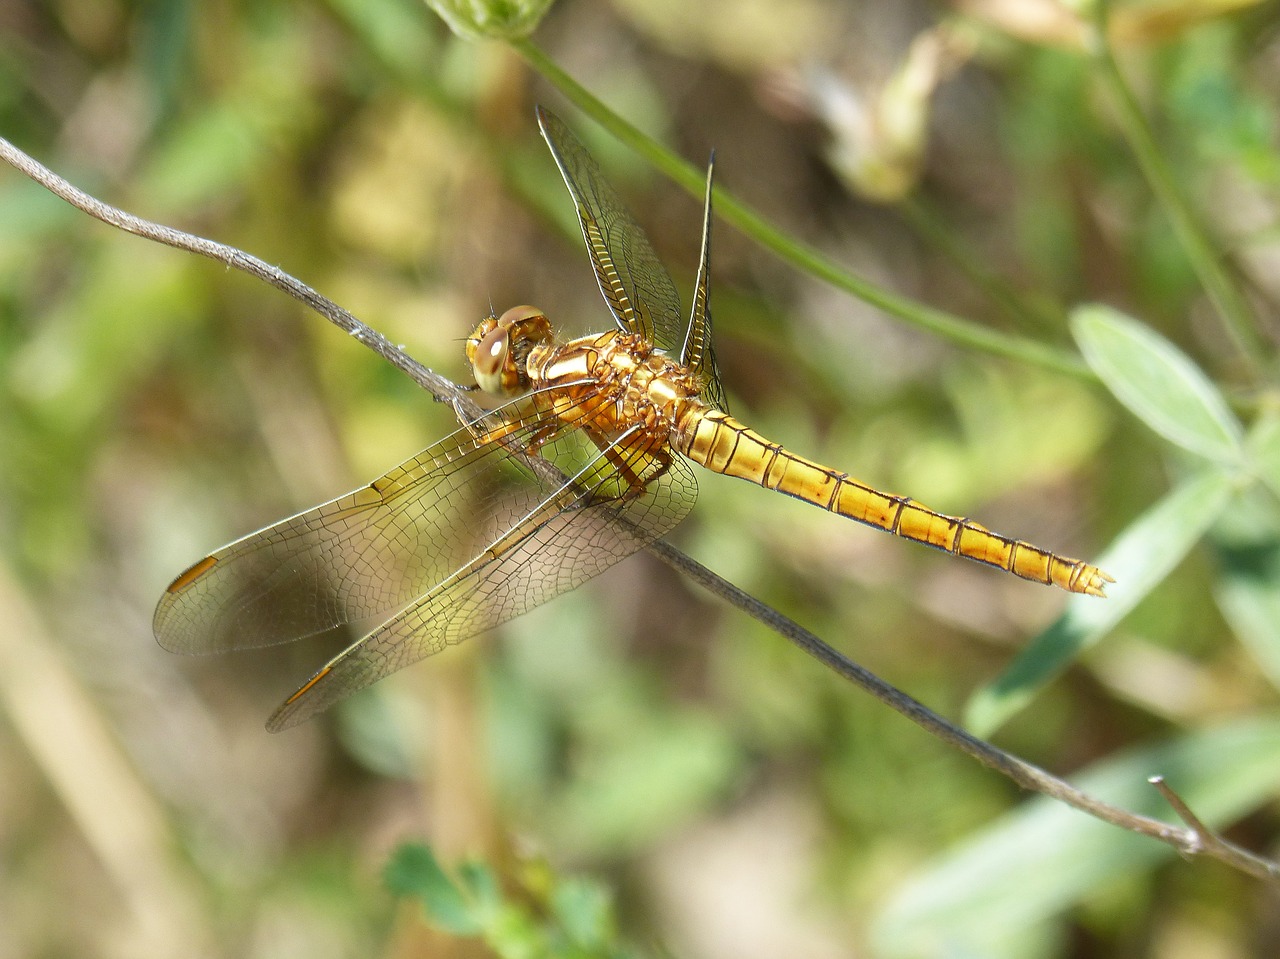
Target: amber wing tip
191,574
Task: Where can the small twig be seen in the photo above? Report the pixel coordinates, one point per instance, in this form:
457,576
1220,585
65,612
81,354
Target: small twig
1200,832
1200,840
1021,772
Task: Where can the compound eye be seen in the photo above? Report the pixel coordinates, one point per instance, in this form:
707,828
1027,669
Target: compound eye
490,359
518,314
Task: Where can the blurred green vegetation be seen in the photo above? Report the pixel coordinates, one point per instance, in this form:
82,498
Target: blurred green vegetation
733,797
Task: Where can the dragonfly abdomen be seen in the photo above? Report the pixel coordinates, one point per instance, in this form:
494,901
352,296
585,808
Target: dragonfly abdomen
717,441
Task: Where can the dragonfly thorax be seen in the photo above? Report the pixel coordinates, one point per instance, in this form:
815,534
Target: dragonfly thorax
499,348
615,381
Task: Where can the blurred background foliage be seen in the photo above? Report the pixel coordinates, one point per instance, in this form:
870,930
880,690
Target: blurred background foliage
729,797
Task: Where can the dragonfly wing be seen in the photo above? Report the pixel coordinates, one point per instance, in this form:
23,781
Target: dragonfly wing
633,280
536,547
356,559
698,352
358,556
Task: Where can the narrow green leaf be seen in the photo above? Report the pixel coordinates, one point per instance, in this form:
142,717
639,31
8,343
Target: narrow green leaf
414,871
1044,857
1263,442
1248,589
1251,604
1158,383
1140,558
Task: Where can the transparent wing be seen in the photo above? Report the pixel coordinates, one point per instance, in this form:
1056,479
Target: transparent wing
357,557
452,542
558,543
633,280
698,352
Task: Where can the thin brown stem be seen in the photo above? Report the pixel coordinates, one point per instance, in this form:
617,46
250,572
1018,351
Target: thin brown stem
1195,840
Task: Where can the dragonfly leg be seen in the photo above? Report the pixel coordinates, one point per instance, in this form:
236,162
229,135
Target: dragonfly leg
484,433
473,427
625,455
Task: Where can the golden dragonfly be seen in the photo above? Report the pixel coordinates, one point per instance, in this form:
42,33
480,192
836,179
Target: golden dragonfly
584,462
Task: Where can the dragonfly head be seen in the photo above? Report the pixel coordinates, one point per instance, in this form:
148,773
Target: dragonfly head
499,348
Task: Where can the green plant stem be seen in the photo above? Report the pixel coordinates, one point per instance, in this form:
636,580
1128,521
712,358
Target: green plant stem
939,322
1200,251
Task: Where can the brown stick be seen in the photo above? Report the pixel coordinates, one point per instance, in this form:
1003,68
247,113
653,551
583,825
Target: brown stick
1196,840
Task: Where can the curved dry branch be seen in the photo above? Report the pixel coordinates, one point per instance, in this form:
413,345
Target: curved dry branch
1195,840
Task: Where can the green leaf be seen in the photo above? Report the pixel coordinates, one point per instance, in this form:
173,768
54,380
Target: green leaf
1248,589
481,887
1250,602
1263,442
414,871
984,898
1158,383
584,911
1140,558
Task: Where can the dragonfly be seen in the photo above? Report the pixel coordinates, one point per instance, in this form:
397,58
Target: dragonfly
584,460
